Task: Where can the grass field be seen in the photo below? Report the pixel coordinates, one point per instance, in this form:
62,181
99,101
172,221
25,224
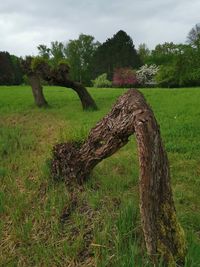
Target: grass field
104,230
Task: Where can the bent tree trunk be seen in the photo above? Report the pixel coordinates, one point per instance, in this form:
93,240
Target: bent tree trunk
86,100
163,235
37,90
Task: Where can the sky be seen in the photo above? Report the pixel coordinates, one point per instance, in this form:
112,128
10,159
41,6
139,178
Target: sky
24,24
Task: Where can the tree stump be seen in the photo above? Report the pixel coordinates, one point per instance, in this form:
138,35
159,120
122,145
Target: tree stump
131,114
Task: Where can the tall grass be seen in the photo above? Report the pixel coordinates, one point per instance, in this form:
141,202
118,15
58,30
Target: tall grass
104,228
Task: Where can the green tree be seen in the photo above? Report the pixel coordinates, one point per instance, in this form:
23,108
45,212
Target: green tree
57,51
193,37
165,53
101,81
143,52
44,51
6,70
184,70
10,70
117,52
80,54
17,70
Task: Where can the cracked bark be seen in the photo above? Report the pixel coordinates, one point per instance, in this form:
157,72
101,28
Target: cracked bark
131,114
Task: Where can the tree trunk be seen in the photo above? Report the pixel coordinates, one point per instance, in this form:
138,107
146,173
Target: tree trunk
164,236
37,90
162,231
86,99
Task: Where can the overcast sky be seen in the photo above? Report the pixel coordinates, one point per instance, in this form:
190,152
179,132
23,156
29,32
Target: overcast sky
24,24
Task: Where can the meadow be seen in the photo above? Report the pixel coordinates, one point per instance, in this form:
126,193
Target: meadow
104,229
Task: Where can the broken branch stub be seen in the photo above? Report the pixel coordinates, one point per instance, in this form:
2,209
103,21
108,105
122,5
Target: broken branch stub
131,114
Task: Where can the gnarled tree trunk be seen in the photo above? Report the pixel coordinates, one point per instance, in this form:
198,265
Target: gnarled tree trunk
86,100
59,76
35,68
37,90
164,236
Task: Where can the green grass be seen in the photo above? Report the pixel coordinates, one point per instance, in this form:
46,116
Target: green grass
104,230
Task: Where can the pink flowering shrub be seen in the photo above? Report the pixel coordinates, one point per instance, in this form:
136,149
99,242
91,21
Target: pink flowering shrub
124,77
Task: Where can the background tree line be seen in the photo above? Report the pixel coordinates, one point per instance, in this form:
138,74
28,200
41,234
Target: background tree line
10,69
117,62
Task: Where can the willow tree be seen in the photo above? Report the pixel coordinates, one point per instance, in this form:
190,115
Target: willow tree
131,114
38,68
35,82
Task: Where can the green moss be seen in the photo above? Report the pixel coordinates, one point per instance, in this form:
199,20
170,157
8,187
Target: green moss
172,233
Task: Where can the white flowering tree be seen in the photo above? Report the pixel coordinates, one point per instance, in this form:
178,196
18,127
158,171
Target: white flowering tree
146,74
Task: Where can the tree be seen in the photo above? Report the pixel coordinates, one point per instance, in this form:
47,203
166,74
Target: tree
10,71
44,51
183,70
73,162
102,82
193,37
17,70
79,54
34,77
117,52
146,74
57,52
38,68
143,52
124,77
164,53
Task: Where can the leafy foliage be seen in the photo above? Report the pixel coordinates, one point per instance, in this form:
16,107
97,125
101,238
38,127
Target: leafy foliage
124,77
143,52
146,74
193,37
117,52
102,82
80,54
10,70
183,70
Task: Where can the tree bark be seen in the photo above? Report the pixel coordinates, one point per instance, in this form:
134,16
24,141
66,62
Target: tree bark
37,90
163,235
162,231
86,100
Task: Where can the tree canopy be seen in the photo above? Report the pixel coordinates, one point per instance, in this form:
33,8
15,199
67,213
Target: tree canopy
117,52
80,53
10,70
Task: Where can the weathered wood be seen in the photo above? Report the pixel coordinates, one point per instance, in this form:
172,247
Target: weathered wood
162,231
163,235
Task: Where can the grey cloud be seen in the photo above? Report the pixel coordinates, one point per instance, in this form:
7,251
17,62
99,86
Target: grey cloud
26,24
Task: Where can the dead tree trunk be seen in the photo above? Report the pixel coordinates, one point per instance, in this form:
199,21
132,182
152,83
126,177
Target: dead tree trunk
37,90
164,236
